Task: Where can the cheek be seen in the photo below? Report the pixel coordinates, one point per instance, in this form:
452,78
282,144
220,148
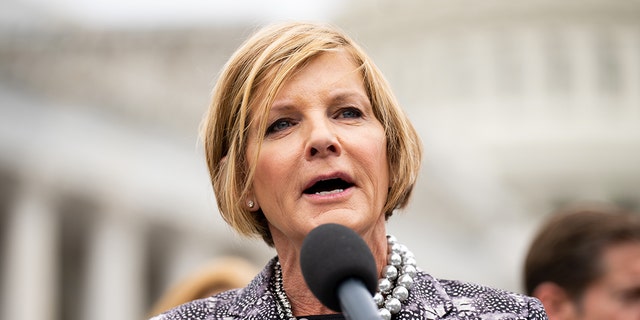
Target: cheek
381,154
265,170
596,301
383,167
377,162
271,169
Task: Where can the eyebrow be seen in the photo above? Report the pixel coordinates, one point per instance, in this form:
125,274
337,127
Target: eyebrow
343,95
339,94
281,107
335,97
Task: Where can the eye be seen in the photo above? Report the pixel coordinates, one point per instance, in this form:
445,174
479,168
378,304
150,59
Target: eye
630,296
279,125
350,113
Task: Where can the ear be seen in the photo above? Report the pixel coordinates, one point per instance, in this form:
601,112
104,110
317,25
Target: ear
557,303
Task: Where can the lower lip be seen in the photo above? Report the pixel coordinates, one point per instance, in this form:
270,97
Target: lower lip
329,196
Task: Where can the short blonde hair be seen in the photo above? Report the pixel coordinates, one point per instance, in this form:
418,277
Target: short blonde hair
250,81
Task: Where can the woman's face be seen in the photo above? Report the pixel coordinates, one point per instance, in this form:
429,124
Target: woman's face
323,158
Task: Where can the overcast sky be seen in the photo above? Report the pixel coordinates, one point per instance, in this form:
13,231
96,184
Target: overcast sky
145,13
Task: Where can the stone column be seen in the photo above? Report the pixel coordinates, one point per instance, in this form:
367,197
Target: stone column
629,39
30,263
115,274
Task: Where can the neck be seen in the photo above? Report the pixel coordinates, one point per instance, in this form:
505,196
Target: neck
303,302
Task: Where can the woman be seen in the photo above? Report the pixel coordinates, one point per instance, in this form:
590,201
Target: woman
304,130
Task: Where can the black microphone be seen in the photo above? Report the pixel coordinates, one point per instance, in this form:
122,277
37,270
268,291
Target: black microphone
340,270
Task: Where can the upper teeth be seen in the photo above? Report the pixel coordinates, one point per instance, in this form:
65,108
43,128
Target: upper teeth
329,192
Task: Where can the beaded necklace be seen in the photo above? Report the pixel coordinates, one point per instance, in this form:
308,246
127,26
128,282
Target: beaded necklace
393,286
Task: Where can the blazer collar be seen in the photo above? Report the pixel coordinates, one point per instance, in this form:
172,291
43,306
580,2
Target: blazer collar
428,297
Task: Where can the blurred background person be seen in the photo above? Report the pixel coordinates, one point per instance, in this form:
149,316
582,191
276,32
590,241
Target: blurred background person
214,276
584,263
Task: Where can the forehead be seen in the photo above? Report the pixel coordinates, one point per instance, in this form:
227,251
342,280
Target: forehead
622,259
328,71
325,67
338,61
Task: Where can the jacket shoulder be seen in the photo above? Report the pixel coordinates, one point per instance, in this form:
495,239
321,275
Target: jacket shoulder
215,307
478,299
251,302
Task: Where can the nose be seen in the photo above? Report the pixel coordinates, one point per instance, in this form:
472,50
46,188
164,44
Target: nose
322,140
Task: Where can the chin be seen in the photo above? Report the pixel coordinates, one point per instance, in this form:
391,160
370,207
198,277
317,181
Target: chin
347,218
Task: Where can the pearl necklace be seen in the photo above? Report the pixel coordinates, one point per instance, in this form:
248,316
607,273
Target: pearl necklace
393,286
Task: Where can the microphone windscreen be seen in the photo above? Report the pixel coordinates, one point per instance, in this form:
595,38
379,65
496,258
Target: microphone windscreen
332,253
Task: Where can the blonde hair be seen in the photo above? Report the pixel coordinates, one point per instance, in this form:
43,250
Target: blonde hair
213,277
249,83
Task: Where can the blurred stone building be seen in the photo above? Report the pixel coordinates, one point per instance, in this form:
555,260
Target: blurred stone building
104,197
523,106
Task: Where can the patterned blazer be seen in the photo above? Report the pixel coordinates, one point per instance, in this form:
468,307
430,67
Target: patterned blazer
429,298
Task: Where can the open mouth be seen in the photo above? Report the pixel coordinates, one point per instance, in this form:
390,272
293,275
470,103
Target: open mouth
330,186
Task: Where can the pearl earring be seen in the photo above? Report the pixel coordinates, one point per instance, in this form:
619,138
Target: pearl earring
250,204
